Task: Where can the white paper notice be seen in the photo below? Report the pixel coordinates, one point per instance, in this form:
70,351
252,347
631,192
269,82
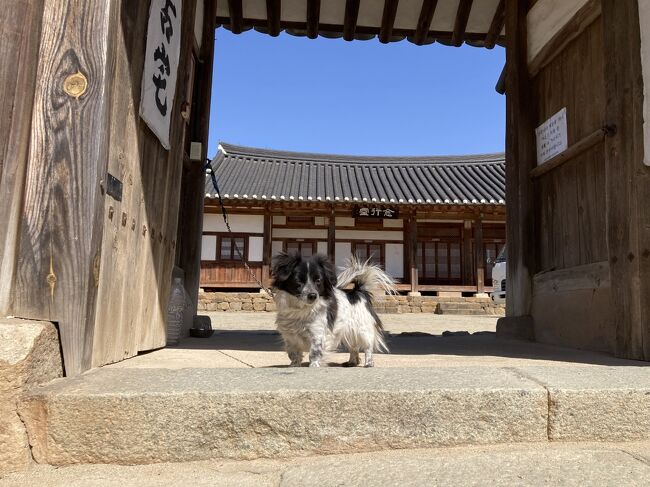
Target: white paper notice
161,66
552,137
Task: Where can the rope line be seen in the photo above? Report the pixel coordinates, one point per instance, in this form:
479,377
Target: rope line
209,170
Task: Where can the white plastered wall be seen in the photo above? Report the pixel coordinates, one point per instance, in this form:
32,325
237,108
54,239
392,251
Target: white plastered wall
369,235
546,19
395,260
209,247
342,252
276,247
213,222
388,223
644,22
255,249
299,233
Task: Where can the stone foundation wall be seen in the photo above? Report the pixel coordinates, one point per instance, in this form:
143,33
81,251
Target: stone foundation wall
29,355
261,302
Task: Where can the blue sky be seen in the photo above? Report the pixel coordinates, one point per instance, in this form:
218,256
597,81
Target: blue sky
360,97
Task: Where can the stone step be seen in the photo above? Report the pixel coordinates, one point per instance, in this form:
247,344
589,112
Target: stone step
556,464
469,312
135,416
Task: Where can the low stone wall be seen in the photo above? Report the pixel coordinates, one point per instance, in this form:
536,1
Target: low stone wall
262,302
216,301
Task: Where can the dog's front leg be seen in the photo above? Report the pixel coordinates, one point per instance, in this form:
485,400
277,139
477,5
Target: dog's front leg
295,357
316,351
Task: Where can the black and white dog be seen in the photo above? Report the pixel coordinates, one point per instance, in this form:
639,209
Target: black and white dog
316,313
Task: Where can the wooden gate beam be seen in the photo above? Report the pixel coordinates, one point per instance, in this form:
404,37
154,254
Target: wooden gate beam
628,180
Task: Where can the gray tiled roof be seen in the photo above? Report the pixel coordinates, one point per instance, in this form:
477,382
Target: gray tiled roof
246,173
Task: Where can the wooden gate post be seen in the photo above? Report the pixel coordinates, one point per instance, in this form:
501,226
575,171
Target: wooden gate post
627,195
190,223
520,158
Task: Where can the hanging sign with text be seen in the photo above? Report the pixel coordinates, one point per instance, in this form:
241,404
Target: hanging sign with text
552,137
161,66
375,212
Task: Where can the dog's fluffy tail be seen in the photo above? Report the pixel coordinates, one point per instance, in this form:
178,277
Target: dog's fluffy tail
366,277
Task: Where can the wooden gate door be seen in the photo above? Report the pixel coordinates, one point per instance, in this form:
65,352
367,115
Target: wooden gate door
575,224
100,196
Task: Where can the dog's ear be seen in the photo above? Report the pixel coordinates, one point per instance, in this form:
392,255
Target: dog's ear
283,265
329,272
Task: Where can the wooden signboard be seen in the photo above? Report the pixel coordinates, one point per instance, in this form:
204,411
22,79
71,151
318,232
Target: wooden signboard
373,211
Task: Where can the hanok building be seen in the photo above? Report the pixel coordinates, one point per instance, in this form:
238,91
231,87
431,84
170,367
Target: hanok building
435,224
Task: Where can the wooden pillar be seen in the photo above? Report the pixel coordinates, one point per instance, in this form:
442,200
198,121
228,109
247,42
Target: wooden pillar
520,159
468,268
627,195
412,251
331,235
479,255
190,223
267,248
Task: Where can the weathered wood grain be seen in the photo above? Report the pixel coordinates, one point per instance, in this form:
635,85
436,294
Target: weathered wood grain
61,227
20,27
627,194
141,235
590,276
571,228
116,317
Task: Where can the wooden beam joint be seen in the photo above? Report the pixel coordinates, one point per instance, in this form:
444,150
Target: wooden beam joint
388,20
424,21
313,18
351,16
460,25
496,27
236,12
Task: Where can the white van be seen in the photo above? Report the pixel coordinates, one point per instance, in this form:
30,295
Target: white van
499,278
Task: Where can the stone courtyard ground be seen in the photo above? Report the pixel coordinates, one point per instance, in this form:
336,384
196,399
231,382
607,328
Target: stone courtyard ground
450,405
243,340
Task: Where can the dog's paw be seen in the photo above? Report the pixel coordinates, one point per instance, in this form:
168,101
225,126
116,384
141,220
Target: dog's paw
314,364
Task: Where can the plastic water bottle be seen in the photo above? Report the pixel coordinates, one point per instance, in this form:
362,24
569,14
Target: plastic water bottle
177,305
